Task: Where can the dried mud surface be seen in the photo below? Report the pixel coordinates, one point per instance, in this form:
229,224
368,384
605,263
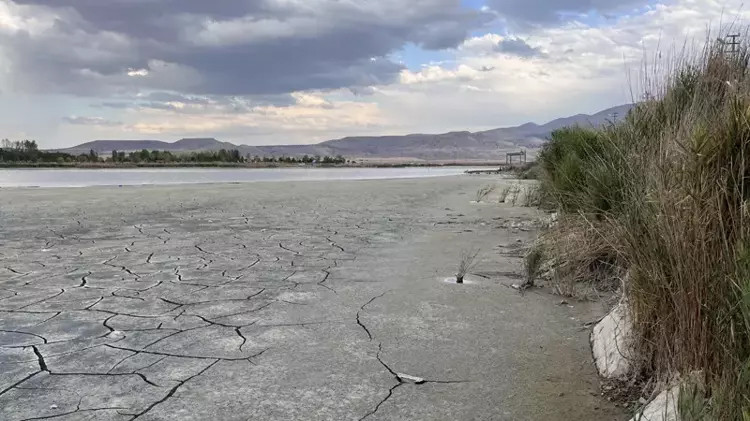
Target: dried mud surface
289,300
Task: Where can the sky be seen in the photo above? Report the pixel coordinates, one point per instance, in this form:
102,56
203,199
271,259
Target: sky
303,71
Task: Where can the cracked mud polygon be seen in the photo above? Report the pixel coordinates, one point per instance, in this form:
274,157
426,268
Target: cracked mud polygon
288,300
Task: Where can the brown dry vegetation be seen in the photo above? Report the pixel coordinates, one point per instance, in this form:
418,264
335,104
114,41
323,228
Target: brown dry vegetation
665,195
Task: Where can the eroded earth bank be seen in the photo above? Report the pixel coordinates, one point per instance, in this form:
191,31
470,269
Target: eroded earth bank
308,300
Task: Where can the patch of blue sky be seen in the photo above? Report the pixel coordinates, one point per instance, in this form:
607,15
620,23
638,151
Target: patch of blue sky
473,4
591,18
414,57
594,18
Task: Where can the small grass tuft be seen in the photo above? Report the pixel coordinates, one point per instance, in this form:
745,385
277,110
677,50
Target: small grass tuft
466,264
484,191
533,196
503,193
533,262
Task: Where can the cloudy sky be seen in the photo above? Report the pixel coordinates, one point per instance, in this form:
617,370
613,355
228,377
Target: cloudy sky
303,71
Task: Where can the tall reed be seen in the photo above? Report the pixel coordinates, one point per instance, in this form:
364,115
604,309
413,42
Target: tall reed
666,193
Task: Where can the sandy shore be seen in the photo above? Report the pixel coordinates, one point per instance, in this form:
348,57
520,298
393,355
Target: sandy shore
287,300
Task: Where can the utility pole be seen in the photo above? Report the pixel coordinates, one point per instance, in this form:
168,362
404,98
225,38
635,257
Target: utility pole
733,41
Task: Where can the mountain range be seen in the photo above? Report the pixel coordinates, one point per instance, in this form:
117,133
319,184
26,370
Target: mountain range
489,145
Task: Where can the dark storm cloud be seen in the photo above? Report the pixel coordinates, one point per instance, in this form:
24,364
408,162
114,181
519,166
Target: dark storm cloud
223,47
518,47
521,12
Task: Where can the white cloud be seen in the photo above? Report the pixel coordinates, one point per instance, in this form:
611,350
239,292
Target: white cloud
311,100
437,74
583,69
91,121
137,72
483,44
311,117
15,18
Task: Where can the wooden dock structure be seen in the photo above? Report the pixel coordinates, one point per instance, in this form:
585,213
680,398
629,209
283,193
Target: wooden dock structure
510,155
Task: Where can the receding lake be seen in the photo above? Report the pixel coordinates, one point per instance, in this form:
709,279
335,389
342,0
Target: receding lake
160,176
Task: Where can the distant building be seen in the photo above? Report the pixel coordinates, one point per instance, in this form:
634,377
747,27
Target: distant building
510,155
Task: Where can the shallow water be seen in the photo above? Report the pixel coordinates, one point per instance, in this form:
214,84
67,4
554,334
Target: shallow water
160,176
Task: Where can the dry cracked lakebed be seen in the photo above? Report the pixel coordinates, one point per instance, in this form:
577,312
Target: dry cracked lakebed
286,300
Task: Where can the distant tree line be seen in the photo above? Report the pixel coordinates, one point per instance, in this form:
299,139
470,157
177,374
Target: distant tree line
306,159
223,155
27,151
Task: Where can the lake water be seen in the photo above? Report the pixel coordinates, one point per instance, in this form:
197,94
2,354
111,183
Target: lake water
146,176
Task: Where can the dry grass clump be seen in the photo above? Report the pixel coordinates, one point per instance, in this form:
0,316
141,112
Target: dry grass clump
520,194
467,262
484,191
533,263
514,192
665,194
533,196
503,193
583,261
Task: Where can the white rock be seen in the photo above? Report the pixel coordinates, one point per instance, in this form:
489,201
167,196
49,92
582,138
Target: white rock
116,334
612,343
665,406
412,379
662,408
551,220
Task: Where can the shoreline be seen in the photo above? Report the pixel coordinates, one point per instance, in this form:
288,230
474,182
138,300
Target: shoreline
117,177
52,165
229,183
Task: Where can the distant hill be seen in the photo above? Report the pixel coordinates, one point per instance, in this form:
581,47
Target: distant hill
489,144
183,145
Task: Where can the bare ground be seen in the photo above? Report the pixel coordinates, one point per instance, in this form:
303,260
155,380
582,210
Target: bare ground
308,300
